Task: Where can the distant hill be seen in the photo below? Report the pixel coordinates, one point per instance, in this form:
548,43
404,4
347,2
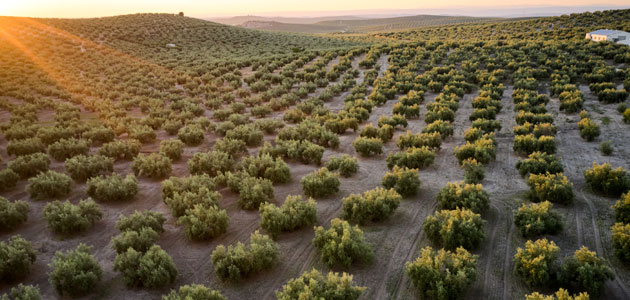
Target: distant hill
288,27
238,20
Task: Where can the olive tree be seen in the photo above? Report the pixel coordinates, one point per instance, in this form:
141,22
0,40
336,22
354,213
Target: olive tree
75,272
342,244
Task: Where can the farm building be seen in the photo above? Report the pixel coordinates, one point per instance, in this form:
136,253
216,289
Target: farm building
615,36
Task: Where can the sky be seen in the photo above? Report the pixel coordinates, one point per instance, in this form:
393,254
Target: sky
218,8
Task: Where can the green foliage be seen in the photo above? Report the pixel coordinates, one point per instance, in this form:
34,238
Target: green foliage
293,214
555,188
612,95
442,274
403,180
153,165
622,209
49,184
537,219
483,150
303,151
8,179
138,220
112,188
99,135
249,134
314,285
368,146
418,140
25,147
140,240
415,158
30,165
603,179
67,148
82,167
537,262
121,149
238,261
320,183
75,272
254,191
527,144
586,272
22,292
473,171
374,205
451,229
181,194
194,292
143,133
204,223
444,128
16,258
342,244
191,135
589,130
606,148
463,195
561,294
210,163
66,218
539,163
346,165
265,166
172,149
151,269
12,214
621,241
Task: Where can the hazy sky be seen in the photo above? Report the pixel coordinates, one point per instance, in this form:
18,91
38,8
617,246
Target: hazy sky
96,8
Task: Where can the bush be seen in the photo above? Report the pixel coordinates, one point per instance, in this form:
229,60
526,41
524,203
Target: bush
442,274
75,272
66,218
537,219
236,262
67,148
191,135
194,292
555,188
99,135
293,214
143,133
140,240
561,294
8,179
586,272
602,178
152,269
25,147
138,220
153,165
253,192
303,151
368,146
431,140
314,285
415,158
204,223
49,184
622,209
249,134
442,127
455,228
265,166
621,241
482,150
589,130
346,165
181,194
12,214
527,144
30,165
606,148
612,95
463,195
539,163
172,149
626,116
342,244
374,205
210,163
22,292
537,262
473,171
16,258
403,180
320,183
121,149
82,167
112,188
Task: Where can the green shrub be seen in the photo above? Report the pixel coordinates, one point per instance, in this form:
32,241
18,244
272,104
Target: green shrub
555,188
253,191
210,163
204,223
172,149
622,209
463,195
537,262
99,135
486,126
314,285
626,116
49,184
451,229
374,205
403,180
22,292
191,135
152,269
589,130
527,144
418,140
8,179
342,244
293,214
67,148
249,134
82,167
586,272
537,219
181,194
12,214
138,220
473,171
320,183
603,179
75,272
16,258
621,241
66,218
112,188
153,165
606,148
368,146
415,158
612,95
30,165
539,163
442,127
346,165
143,133
238,261
25,147
561,294
140,240
194,292
482,150
265,166
121,149
442,274
303,151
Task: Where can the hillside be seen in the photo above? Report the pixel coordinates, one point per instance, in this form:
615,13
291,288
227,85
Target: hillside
238,20
289,27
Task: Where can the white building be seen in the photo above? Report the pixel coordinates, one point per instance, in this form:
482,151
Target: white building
615,36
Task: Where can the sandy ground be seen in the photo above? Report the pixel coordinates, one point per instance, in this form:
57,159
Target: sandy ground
395,241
